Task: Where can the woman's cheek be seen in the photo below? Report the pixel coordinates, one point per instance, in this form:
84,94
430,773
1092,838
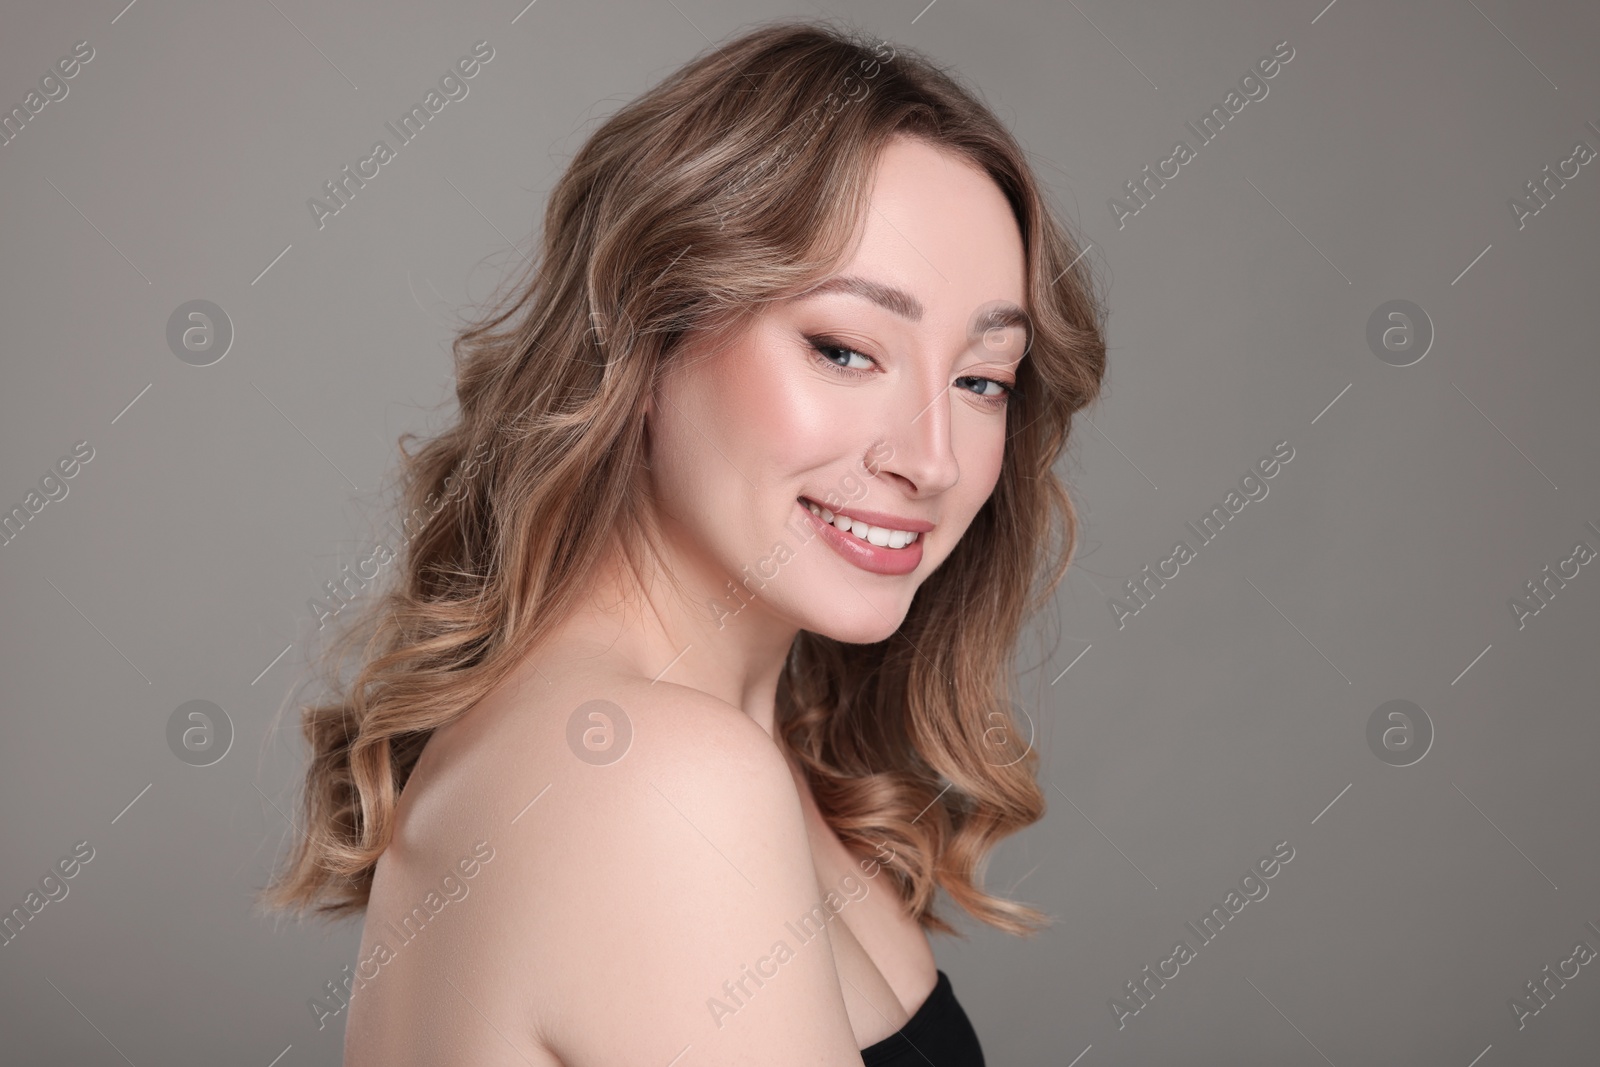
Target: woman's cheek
983,458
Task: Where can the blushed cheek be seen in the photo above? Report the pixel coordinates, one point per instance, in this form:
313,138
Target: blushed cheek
980,472
739,429
994,461
782,420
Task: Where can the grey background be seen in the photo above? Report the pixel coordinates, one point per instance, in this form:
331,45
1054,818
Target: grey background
1178,748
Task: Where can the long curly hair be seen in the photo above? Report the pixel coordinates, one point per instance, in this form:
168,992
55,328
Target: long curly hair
738,180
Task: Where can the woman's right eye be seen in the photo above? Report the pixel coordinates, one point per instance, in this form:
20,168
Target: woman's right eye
838,356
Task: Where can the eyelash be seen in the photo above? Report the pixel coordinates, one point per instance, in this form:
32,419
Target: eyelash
823,345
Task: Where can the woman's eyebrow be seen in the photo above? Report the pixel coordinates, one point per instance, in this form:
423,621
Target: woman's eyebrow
909,307
896,300
1001,316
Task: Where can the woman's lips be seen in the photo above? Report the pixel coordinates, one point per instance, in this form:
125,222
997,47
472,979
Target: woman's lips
868,557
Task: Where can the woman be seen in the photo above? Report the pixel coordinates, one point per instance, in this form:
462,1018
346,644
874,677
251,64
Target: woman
692,687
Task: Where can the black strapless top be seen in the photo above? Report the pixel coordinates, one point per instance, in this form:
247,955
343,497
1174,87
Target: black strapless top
938,1035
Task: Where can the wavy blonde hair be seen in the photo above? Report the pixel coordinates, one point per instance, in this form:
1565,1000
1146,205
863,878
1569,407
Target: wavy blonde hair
738,180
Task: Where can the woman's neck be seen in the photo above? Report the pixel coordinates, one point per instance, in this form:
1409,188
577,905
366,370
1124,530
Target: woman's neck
668,622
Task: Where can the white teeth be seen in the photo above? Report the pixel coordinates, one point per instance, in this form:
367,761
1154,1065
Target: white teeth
874,535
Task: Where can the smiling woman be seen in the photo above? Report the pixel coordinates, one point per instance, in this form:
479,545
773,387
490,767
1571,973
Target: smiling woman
873,363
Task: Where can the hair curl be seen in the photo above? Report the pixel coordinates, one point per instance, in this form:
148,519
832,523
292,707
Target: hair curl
739,179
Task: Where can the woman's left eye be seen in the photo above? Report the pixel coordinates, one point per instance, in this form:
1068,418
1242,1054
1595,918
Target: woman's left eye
1002,390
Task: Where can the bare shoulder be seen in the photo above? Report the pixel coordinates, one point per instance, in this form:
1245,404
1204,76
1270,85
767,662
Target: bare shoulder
650,877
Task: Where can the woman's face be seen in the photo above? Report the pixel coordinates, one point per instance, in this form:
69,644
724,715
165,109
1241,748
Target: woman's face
879,394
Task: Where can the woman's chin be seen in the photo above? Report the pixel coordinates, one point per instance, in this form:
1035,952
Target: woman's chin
862,629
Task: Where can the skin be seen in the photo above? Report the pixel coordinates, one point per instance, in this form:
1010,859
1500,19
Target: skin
622,897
